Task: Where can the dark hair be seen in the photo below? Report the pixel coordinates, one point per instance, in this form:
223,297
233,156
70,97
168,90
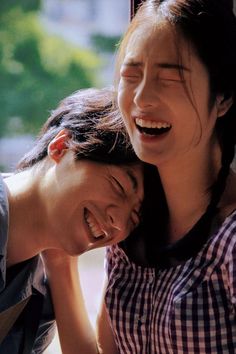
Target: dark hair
210,27
85,115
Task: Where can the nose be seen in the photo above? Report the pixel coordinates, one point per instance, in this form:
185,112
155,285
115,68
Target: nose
119,218
144,95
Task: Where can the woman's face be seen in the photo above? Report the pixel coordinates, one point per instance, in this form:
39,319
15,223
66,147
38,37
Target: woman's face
93,204
167,115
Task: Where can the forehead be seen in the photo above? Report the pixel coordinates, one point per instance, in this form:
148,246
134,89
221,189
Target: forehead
161,40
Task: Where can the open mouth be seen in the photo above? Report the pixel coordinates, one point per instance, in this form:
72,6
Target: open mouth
93,225
150,127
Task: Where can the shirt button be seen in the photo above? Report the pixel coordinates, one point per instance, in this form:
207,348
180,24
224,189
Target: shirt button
139,322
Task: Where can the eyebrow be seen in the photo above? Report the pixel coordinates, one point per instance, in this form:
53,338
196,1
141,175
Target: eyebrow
172,66
163,65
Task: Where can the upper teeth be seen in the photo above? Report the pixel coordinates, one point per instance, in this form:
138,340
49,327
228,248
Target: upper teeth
93,225
151,124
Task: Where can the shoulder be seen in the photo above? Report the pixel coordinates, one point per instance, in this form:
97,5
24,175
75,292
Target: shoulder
227,228
222,239
222,245
228,201
115,255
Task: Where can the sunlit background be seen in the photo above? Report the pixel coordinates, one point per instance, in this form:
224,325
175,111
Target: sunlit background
48,49
91,269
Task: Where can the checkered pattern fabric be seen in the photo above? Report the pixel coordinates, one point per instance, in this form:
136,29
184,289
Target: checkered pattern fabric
189,308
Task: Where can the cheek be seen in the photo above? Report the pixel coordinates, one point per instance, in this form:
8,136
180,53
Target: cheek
125,95
121,97
124,104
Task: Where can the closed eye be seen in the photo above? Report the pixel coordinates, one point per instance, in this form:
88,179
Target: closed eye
123,74
130,78
172,80
118,185
129,74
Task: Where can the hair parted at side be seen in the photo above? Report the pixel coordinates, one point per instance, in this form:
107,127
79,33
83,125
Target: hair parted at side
93,124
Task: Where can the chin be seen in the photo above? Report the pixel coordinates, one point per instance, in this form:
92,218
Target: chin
147,156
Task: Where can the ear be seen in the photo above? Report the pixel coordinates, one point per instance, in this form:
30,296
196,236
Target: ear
223,104
59,145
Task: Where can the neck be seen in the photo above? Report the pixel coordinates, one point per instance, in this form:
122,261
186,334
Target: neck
26,236
187,182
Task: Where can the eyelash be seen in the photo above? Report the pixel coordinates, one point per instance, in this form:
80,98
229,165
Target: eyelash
127,74
119,185
172,80
133,78
130,78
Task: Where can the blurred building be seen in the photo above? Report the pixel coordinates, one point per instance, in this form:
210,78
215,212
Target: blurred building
12,150
78,20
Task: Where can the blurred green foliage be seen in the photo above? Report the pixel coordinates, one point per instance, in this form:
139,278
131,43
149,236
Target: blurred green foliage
104,43
37,70
25,5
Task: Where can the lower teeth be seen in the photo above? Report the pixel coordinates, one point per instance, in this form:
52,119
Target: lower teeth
153,131
99,237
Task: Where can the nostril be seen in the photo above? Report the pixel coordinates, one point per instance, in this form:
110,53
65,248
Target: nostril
111,219
114,223
115,216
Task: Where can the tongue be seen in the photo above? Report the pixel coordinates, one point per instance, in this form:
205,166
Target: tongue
154,131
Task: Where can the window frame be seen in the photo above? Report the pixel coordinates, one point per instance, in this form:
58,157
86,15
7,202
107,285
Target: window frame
134,4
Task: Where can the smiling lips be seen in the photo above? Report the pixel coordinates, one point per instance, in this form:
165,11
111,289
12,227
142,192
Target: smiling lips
152,127
94,226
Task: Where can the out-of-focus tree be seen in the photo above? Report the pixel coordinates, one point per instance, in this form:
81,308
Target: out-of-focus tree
107,44
36,69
